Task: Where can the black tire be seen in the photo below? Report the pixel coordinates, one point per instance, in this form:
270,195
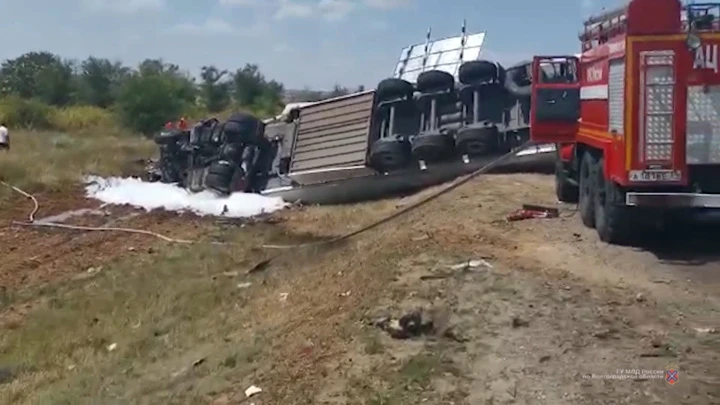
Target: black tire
586,198
391,89
218,183
220,175
229,151
434,80
432,147
479,71
241,128
389,154
222,167
167,138
613,221
564,190
476,141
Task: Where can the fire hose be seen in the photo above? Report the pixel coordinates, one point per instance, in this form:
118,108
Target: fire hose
32,222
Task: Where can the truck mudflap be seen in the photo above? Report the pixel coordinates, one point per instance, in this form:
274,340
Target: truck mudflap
672,200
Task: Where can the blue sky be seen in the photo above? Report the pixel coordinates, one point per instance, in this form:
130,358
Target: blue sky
314,43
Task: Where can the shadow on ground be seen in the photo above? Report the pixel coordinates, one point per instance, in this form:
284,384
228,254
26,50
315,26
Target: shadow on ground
694,245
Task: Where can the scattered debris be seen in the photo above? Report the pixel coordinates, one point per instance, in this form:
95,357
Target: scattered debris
471,264
640,297
344,294
112,347
422,237
459,268
532,211
244,285
665,351
198,362
283,297
518,322
711,331
252,390
439,276
605,333
260,266
231,273
418,322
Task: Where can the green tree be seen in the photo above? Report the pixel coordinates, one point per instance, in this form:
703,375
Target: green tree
99,81
271,100
248,85
215,91
154,94
41,75
56,84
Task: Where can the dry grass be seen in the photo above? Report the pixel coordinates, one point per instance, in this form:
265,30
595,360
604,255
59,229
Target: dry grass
72,119
53,161
183,329
61,351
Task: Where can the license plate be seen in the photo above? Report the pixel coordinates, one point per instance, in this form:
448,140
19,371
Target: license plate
655,175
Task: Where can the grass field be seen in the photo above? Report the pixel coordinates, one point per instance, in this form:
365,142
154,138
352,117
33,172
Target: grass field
50,161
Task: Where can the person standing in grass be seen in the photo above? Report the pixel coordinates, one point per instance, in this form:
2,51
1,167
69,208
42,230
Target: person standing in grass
4,137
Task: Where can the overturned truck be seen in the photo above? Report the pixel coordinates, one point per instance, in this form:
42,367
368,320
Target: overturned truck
400,137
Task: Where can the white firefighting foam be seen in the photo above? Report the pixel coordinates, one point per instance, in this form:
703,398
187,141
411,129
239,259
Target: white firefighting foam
150,196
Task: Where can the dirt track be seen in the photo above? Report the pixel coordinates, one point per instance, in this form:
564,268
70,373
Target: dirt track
555,305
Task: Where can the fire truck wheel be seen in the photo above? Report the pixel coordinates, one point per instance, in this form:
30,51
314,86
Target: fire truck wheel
565,191
390,89
435,80
586,203
612,221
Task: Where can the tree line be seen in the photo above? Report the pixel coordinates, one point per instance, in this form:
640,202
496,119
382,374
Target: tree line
142,97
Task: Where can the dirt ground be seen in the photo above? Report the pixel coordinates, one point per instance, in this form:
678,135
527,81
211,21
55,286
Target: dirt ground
544,313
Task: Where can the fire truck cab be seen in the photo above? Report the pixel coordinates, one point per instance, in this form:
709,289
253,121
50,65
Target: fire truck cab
636,117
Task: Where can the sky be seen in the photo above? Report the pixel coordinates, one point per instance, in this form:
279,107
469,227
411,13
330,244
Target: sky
301,43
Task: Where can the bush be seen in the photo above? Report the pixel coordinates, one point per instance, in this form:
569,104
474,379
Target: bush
82,117
31,114
148,101
16,112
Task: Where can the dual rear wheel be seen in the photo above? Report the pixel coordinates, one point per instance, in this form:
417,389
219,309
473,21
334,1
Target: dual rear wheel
600,201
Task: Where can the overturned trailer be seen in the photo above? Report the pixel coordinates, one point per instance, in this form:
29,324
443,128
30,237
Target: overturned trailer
444,113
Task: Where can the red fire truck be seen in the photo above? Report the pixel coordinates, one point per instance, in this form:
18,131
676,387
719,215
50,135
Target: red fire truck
636,117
